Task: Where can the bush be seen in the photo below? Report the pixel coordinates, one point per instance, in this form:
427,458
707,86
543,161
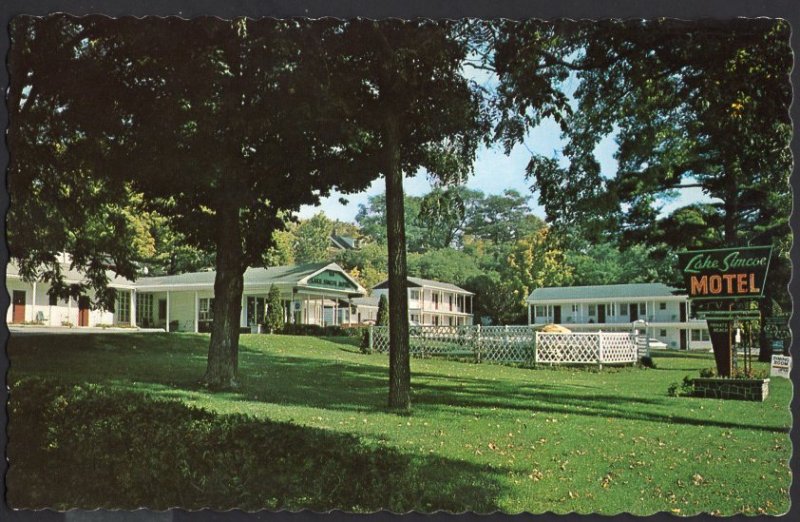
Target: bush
323,331
647,362
90,447
686,388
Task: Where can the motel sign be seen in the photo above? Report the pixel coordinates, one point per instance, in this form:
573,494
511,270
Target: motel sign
726,273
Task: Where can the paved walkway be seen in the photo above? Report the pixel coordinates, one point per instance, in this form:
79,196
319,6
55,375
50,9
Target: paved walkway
38,330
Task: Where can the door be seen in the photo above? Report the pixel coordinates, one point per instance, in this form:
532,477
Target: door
683,334
557,314
634,311
601,313
83,311
18,314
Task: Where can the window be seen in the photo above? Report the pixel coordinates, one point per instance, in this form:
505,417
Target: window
704,335
611,309
695,335
205,309
144,308
663,333
255,310
662,306
575,308
53,300
623,309
413,294
540,311
642,308
123,307
592,310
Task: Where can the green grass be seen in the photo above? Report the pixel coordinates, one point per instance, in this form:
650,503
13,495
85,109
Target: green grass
482,437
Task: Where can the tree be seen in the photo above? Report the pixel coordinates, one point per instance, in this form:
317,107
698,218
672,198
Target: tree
313,239
274,319
692,105
367,264
373,221
382,318
424,114
445,264
223,120
536,261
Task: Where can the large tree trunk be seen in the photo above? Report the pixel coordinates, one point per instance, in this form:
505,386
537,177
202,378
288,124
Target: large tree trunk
223,350
399,365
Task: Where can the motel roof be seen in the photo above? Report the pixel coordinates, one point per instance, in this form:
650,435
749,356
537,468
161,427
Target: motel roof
598,292
416,282
366,301
295,275
72,276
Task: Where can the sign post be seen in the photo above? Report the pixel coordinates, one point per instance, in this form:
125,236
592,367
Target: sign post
720,275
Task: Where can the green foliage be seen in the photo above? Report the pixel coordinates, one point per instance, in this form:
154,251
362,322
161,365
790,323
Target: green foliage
367,264
446,264
312,239
383,311
274,319
647,362
114,444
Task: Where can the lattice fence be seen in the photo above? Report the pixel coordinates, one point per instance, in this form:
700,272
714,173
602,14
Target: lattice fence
513,344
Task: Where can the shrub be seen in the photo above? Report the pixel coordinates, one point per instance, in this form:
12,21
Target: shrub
382,318
685,388
90,447
647,362
708,373
274,320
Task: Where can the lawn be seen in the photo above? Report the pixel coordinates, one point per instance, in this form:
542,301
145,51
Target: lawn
481,437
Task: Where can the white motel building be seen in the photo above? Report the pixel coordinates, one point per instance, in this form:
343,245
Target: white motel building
318,293
430,303
666,311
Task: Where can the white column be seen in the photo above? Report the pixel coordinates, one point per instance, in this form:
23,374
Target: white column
529,314
33,303
336,312
167,311
133,307
196,313
307,319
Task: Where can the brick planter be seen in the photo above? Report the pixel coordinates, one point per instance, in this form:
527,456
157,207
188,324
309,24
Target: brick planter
741,389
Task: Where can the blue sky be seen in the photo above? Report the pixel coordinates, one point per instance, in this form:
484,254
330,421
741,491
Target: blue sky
494,171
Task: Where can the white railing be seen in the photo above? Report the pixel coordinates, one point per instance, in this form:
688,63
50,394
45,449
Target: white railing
513,344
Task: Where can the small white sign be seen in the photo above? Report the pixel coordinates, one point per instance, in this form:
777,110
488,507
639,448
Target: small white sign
781,365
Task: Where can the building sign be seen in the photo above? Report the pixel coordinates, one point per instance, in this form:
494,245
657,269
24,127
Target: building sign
333,280
781,366
726,273
719,331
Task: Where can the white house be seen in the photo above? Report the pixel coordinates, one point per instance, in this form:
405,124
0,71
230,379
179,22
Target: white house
666,311
317,293
31,303
429,302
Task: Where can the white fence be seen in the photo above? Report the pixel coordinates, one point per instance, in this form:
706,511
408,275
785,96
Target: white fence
512,344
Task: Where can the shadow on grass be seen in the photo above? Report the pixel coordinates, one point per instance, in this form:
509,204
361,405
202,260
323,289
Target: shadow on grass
349,385
96,447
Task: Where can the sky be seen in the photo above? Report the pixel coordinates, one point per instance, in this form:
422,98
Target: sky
494,171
